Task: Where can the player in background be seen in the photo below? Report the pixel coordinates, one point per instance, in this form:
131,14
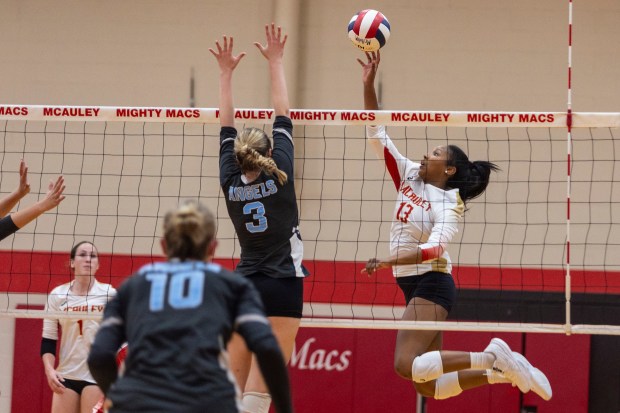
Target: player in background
256,175
74,387
177,317
10,223
430,203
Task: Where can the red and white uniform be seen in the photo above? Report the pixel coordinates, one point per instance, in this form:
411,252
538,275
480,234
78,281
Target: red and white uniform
77,335
424,216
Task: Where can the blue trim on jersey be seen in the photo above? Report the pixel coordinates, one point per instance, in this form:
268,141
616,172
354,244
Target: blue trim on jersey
176,266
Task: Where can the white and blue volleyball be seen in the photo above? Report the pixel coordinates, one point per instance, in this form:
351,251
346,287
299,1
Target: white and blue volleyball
369,30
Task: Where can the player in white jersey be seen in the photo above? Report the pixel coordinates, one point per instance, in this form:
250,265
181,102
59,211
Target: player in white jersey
430,203
74,387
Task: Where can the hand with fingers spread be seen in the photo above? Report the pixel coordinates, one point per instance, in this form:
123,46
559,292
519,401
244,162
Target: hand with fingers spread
224,55
274,48
227,62
369,68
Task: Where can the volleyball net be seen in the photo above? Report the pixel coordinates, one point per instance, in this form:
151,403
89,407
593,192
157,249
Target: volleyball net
537,252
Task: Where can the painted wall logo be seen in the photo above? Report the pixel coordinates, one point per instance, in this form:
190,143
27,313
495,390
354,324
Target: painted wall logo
310,357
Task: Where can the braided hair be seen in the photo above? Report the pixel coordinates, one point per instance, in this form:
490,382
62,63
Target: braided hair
251,151
471,178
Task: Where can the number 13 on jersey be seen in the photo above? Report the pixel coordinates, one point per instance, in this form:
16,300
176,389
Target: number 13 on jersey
404,211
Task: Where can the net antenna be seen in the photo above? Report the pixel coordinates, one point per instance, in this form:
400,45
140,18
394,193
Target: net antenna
569,146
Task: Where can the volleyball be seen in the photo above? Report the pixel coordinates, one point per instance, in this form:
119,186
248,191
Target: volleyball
369,30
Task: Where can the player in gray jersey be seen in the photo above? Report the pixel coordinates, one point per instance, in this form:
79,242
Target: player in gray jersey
177,318
257,180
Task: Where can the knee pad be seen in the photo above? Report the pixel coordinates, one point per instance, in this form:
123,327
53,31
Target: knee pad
254,402
447,386
427,367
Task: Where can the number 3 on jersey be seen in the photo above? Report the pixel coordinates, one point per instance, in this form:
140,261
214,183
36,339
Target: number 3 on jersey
404,211
257,210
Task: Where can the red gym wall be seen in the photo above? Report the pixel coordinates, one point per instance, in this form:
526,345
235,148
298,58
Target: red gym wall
347,371
333,370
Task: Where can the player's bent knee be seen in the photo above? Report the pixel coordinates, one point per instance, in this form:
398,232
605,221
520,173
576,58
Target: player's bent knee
427,367
447,386
254,402
402,367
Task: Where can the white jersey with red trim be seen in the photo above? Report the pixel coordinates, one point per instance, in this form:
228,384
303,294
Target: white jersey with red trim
77,335
424,216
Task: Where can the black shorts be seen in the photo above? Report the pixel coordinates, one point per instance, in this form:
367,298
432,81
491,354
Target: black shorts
77,385
282,297
437,287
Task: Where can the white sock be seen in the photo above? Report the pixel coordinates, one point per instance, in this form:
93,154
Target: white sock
254,402
481,361
495,377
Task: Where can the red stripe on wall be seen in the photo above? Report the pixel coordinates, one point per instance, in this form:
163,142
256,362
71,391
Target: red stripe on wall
31,392
330,281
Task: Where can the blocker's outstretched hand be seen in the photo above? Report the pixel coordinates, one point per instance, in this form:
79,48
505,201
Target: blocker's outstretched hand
224,55
274,48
